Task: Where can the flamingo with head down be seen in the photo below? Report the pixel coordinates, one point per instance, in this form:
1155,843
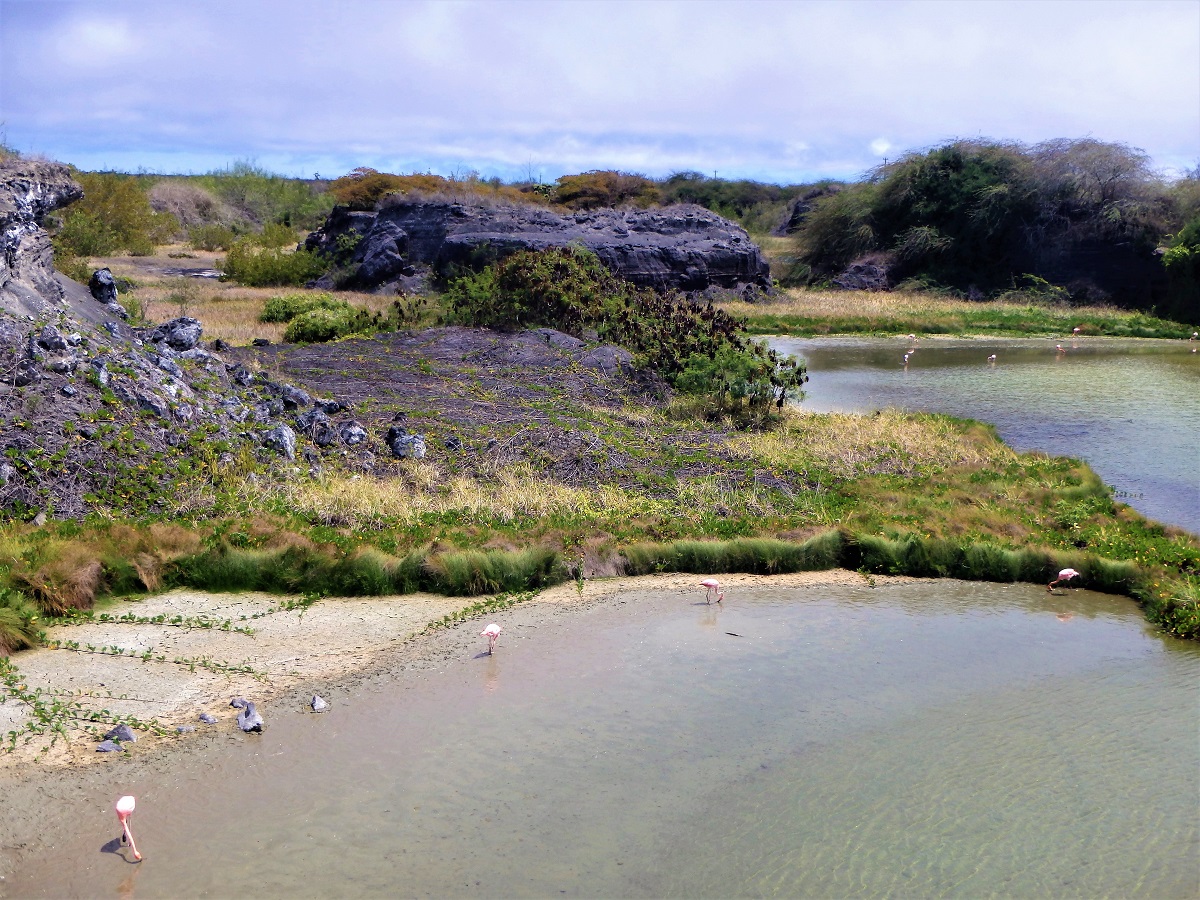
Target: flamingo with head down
124,810
1063,575
492,633
712,586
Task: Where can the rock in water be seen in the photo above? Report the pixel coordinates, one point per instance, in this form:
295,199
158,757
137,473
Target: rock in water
248,719
318,703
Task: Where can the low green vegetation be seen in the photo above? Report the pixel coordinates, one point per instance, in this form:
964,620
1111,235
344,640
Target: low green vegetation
698,349
814,312
250,263
316,318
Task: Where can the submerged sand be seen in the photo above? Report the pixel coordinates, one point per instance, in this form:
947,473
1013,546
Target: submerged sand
295,652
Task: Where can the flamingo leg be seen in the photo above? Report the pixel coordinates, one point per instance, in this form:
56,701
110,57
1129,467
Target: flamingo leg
127,835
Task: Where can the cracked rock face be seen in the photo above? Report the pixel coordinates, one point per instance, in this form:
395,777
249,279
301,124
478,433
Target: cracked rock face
683,247
29,189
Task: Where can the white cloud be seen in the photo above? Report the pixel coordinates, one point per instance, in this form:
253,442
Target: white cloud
778,90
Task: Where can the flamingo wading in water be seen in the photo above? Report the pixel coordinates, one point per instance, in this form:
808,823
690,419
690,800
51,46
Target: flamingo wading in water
124,810
492,633
1064,575
712,586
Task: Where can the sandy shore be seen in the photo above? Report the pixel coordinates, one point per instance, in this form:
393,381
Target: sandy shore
291,653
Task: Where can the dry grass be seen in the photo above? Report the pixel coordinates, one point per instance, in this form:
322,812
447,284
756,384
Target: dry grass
879,306
228,311
511,494
889,442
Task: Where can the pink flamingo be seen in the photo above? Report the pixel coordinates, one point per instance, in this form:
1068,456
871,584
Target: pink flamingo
712,586
1060,348
1064,575
906,356
124,811
992,358
492,633
1076,330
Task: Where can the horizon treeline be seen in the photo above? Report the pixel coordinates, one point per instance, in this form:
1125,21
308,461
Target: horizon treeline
972,218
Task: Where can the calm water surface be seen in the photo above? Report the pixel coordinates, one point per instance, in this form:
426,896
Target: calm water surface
1131,408
929,739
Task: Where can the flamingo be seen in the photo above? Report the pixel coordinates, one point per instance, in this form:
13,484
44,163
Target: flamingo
1076,330
912,337
492,633
1195,336
906,356
712,586
1063,575
124,811
1060,348
992,358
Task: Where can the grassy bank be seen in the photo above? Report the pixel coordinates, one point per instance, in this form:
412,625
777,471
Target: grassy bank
815,312
892,493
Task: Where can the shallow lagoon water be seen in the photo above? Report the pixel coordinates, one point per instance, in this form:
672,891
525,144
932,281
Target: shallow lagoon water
923,739
1131,408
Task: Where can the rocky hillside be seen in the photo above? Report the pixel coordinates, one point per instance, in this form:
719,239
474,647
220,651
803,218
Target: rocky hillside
685,247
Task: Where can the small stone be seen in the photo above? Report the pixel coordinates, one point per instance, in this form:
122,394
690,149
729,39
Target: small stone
208,719
318,703
107,747
184,729
69,391
260,342
121,733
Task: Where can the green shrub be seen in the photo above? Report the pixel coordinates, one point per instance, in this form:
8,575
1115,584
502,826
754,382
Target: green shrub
275,235
321,324
114,215
288,306
211,237
19,629
262,197
699,349
255,266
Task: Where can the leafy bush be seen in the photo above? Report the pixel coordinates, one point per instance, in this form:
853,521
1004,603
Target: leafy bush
113,215
261,197
249,264
325,323
699,349
605,188
287,307
19,628
211,237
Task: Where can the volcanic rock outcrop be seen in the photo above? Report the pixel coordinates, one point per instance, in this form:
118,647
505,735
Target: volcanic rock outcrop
685,247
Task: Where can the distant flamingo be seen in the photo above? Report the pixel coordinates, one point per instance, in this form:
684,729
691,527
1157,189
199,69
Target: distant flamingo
1195,336
124,811
906,356
1064,575
1060,348
1076,330
992,358
492,633
912,337
712,586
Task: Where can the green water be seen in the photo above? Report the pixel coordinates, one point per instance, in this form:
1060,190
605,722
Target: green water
1131,408
929,739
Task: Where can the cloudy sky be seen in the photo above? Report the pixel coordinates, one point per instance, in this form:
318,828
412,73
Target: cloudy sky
777,91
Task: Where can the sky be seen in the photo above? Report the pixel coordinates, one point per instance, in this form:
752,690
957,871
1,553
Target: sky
784,92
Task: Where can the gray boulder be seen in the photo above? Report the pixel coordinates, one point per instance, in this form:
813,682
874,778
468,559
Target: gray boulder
50,338
352,433
103,286
404,445
685,247
282,439
182,333
120,733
